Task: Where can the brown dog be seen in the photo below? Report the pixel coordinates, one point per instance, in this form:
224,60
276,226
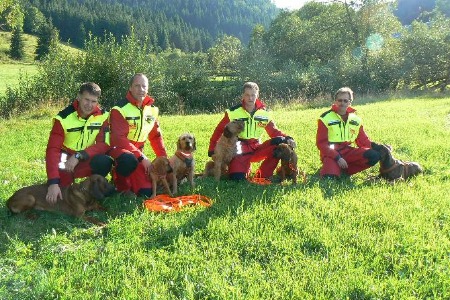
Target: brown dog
394,169
183,162
288,158
158,174
225,150
76,198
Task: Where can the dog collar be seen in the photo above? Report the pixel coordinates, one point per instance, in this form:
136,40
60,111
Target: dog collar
185,157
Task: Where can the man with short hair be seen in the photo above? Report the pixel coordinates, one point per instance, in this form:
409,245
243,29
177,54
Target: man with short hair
133,121
258,120
344,146
78,142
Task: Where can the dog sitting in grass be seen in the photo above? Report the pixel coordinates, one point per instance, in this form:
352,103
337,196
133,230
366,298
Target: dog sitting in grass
288,159
159,172
225,150
183,162
394,169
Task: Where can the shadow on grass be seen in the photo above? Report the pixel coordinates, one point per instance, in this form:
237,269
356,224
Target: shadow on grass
230,198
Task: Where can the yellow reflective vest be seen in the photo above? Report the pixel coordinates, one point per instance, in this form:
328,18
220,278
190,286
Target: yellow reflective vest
140,120
81,133
340,131
254,124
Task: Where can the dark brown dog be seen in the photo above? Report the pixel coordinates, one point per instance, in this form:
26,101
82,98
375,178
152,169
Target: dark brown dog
76,198
394,169
183,162
225,150
158,174
288,158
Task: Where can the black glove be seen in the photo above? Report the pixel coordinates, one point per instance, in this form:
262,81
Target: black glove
283,140
210,153
277,140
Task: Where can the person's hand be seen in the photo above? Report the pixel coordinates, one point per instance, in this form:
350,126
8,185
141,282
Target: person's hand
342,163
53,193
147,164
71,163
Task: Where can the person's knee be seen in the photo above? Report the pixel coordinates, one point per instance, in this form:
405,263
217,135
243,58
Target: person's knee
372,157
101,164
126,163
237,176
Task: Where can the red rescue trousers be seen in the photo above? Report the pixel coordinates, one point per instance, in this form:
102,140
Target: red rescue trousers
83,169
254,153
354,157
136,181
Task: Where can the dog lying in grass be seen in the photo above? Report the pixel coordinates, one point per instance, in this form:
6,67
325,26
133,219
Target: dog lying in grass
183,162
225,150
394,169
76,198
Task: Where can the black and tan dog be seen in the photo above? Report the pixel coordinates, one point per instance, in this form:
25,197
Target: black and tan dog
183,162
394,169
76,198
289,168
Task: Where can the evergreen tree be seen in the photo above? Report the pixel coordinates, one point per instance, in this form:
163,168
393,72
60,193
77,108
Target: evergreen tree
17,44
48,38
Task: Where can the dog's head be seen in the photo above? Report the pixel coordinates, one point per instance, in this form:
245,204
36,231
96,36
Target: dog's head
385,151
186,143
97,186
233,128
284,152
161,166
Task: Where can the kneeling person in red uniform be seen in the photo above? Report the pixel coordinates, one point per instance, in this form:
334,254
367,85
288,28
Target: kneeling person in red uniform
133,121
342,142
78,142
258,119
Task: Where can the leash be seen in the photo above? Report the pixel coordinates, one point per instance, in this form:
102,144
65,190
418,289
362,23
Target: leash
165,203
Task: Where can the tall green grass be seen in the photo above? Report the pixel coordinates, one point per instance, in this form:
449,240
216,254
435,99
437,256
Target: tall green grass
349,239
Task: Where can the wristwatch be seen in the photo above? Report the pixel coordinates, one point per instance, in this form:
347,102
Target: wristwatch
78,155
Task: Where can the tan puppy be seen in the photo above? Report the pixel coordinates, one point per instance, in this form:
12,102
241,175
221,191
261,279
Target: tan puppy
394,169
158,174
76,198
183,162
225,150
288,158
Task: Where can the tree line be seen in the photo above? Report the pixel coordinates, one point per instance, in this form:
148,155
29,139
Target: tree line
304,54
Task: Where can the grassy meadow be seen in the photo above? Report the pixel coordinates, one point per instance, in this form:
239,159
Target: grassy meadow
352,238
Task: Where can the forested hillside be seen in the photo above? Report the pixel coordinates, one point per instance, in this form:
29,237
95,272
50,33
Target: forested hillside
189,25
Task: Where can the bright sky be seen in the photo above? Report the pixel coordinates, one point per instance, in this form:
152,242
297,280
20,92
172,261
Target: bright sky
289,4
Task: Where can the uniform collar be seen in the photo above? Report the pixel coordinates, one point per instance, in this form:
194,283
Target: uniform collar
258,104
335,108
147,100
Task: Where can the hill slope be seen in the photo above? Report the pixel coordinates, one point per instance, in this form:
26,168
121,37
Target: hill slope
190,25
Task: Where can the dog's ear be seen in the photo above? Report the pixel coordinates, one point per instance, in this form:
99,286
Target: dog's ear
179,144
194,144
227,132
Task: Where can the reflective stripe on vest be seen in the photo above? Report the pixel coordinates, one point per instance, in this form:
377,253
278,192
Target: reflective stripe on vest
340,131
81,133
140,121
254,125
